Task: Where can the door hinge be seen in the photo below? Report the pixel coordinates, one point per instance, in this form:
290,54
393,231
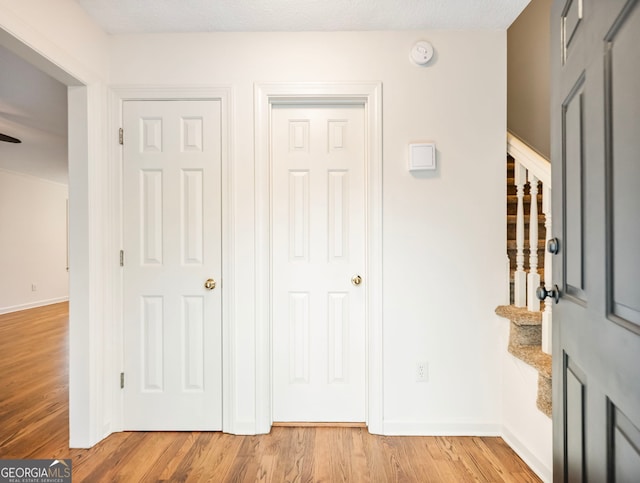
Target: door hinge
121,136
122,258
122,380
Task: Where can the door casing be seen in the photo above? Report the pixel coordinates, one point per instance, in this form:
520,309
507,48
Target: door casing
115,363
265,97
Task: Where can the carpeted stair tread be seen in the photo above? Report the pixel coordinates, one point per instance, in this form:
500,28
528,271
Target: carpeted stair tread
533,356
519,315
525,337
543,401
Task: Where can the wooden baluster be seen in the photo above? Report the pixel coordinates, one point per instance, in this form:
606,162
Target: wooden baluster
548,272
533,278
520,277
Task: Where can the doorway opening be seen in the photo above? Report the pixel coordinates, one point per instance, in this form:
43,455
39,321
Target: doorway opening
80,153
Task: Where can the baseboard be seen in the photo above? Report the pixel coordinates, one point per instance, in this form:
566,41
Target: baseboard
403,428
32,305
538,467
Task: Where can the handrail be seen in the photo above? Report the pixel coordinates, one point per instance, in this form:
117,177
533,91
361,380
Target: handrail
531,168
529,158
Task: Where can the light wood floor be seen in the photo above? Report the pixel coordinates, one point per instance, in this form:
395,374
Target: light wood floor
34,424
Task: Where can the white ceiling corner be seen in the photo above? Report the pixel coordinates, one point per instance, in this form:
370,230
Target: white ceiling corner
147,16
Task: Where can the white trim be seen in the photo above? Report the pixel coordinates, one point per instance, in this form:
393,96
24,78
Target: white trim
114,356
530,159
265,96
85,136
537,466
225,95
20,37
246,428
32,305
414,428
88,289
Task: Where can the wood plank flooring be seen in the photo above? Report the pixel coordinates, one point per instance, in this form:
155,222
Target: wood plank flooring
34,424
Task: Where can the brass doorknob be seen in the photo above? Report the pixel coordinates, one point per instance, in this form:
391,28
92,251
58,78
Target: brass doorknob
210,284
356,280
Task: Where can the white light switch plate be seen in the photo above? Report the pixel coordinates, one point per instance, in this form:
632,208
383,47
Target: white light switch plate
422,156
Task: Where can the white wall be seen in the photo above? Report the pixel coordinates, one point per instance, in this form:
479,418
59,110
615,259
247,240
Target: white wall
33,242
59,38
525,428
529,76
444,233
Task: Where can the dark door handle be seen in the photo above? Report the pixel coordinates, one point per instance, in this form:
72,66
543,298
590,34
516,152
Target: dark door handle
542,293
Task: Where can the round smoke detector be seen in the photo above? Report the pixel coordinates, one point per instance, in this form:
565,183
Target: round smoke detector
421,52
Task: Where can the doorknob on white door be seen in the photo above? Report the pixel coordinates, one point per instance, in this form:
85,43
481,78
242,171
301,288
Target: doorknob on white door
356,280
210,284
542,293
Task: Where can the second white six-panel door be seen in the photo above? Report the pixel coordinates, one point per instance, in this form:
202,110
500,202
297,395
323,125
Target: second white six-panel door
318,250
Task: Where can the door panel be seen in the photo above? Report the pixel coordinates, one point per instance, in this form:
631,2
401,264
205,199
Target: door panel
172,244
573,170
596,170
622,62
574,410
318,245
624,463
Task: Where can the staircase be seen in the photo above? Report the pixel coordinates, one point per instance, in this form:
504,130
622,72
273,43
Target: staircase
512,207
528,320
525,339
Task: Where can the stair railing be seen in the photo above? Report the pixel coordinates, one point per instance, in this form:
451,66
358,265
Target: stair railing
531,168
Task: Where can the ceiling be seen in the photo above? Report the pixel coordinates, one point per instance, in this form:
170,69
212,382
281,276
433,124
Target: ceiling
33,106
136,16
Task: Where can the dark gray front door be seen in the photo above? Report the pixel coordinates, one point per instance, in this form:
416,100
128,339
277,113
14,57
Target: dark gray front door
596,194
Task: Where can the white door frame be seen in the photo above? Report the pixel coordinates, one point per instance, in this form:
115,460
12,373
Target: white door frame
369,95
88,302
224,94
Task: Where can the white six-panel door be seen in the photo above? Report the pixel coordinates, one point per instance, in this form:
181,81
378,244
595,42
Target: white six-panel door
318,247
172,245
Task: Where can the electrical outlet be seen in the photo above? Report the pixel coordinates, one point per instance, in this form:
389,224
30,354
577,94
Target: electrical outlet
422,372
33,287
